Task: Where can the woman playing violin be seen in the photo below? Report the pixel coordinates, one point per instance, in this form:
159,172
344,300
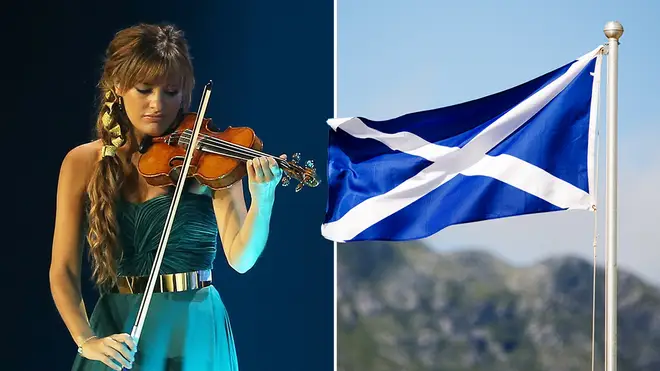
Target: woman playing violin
145,88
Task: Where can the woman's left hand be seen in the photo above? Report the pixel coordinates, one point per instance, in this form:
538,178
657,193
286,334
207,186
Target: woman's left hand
263,176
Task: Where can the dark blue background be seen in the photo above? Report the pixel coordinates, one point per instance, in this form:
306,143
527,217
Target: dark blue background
271,63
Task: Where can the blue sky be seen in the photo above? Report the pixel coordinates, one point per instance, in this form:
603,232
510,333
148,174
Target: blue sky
396,57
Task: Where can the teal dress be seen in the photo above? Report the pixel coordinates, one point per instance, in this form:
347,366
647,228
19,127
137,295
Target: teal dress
183,331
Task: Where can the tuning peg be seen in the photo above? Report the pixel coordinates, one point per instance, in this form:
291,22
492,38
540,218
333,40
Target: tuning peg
285,180
299,186
309,164
295,158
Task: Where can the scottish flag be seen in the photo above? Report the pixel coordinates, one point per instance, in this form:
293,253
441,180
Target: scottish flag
529,149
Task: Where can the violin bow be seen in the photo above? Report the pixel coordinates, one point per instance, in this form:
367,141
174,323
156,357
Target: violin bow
151,283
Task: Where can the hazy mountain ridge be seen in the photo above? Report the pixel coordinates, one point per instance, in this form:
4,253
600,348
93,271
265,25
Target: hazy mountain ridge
410,308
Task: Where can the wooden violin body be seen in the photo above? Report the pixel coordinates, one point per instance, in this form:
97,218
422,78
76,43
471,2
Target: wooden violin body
219,159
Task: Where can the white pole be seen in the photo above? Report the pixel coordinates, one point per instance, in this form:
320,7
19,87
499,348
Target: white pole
613,30
335,261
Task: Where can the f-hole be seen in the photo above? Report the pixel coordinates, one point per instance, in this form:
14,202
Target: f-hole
176,163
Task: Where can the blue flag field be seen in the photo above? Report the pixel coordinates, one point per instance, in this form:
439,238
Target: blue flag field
529,149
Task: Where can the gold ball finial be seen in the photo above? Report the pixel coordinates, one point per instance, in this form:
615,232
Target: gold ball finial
613,30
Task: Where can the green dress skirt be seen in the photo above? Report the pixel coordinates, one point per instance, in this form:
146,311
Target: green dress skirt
183,331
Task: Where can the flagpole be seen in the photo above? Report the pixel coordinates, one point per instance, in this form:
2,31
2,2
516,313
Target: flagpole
613,31
335,261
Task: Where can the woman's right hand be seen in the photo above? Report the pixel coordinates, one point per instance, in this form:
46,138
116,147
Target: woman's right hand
115,350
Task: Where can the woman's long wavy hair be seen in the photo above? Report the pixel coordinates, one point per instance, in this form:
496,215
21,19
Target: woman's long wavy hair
141,53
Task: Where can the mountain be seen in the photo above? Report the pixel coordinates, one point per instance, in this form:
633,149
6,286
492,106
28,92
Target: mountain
408,308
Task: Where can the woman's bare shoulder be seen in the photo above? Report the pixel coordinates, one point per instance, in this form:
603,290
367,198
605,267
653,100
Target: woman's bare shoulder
79,162
84,155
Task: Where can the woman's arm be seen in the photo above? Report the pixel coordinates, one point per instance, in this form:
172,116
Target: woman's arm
66,249
244,233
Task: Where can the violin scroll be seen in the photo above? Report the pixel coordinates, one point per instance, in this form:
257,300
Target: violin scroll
306,176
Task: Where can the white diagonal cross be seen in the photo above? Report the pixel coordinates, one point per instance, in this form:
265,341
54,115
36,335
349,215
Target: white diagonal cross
469,160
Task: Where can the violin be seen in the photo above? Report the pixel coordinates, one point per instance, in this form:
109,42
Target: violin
219,159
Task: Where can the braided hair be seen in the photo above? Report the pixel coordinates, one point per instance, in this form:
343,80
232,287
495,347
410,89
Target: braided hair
136,54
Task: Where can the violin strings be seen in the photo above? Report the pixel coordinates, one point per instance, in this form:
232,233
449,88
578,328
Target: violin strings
223,144
248,153
207,144
213,149
231,145
235,152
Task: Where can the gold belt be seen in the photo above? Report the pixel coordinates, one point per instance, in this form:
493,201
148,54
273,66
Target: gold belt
173,282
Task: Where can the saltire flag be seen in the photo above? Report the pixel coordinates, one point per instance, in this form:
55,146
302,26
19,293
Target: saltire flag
525,150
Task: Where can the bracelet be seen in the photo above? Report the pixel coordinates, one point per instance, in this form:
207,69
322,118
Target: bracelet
83,343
